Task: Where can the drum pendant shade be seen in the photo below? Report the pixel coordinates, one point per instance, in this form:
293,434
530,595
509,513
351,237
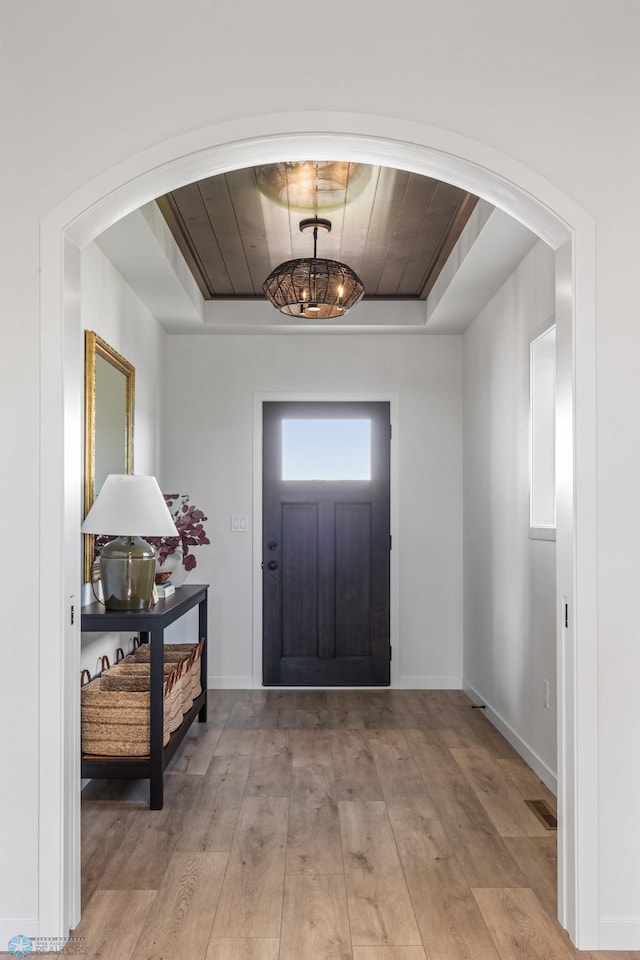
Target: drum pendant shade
313,288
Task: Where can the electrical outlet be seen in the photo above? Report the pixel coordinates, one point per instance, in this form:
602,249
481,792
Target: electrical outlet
545,694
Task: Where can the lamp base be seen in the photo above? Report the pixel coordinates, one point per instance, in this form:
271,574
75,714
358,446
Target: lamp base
128,566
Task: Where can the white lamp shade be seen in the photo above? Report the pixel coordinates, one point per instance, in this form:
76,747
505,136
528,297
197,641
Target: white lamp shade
132,506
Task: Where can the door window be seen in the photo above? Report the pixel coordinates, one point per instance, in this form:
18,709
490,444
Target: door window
326,449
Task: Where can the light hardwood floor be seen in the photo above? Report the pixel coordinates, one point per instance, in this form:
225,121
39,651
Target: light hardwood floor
327,825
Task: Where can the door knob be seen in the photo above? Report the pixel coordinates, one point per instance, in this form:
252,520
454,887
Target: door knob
272,565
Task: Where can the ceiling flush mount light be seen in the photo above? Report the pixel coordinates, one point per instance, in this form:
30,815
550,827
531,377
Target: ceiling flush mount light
313,184
312,288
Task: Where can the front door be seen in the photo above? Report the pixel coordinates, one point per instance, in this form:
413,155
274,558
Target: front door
326,542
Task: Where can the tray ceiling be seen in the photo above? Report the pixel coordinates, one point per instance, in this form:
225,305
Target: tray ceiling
394,228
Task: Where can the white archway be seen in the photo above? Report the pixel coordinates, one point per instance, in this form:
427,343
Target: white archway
377,140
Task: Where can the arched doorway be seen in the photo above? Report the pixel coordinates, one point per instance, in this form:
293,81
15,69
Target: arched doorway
433,152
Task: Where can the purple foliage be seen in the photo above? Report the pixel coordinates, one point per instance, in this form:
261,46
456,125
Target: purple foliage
191,533
188,519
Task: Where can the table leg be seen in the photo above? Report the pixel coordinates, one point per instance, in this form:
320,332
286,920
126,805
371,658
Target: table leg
156,772
202,633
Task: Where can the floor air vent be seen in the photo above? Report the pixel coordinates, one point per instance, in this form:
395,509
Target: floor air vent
543,812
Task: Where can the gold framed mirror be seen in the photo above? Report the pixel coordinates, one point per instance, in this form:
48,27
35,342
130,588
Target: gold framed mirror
109,393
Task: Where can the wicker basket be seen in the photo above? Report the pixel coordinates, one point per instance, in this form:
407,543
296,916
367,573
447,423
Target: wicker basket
171,651
116,723
133,675
175,652
127,674
173,702
196,683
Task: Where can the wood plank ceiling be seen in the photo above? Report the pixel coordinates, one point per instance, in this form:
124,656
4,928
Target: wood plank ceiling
394,228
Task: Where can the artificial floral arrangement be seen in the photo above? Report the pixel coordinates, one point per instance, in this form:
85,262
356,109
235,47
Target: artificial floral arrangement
191,533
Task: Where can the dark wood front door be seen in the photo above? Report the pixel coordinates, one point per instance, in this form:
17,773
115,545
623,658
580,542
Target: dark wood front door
326,548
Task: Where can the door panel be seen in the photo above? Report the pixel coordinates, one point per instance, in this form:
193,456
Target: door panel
326,560
299,557
353,579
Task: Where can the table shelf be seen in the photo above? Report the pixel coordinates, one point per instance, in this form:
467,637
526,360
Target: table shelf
150,625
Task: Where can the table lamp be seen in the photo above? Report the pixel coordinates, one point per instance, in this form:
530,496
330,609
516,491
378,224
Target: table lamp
134,505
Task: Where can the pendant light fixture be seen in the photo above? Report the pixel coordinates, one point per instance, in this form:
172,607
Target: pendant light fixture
312,288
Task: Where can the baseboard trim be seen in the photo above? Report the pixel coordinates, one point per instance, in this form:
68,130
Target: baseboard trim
547,775
229,683
619,935
430,683
404,683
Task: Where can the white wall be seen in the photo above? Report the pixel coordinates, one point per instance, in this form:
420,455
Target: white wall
509,579
208,453
112,310
71,110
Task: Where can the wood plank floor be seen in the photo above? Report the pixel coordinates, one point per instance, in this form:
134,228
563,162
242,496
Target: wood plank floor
327,825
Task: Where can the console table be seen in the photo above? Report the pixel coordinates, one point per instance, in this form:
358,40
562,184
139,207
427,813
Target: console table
150,625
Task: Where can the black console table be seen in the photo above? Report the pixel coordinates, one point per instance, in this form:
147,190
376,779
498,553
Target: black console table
150,624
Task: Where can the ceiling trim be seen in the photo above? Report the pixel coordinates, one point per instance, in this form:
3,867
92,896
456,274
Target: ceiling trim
143,250
395,228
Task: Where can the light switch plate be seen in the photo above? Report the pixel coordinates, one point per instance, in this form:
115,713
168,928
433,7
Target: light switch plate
239,523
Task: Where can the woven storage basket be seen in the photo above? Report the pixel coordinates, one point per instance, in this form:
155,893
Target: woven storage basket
126,674
172,653
173,702
183,683
196,684
116,723
129,674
